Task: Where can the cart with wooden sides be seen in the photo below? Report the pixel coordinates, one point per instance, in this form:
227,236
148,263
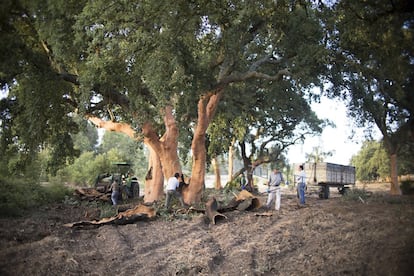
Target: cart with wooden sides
326,175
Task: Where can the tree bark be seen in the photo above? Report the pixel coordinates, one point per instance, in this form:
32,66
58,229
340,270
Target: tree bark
206,108
154,180
395,187
170,160
216,167
164,155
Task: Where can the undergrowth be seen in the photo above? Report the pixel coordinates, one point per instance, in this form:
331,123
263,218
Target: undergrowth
356,195
20,195
365,197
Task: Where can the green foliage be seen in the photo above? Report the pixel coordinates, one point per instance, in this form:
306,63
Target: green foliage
18,196
121,148
85,169
371,162
233,185
89,165
87,138
316,155
372,65
82,171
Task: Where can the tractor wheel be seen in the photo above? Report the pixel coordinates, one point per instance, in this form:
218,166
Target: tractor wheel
135,190
123,194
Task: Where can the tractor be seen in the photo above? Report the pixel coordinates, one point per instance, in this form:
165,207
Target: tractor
129,185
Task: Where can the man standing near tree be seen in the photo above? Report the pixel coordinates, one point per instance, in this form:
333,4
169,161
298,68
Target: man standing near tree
301,185
172,186
273,189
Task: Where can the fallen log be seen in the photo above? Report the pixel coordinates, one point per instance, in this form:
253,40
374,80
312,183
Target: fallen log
140,212
248,197
211,210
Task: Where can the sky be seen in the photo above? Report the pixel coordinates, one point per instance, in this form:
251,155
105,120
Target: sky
336,140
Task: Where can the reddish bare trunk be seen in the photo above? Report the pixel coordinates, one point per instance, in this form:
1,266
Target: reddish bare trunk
395,187
194,191
206,109
216,168
163,151
168,150
154,180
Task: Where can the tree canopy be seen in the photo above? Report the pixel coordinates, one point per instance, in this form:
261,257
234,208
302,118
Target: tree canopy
160,73
140,55
373,67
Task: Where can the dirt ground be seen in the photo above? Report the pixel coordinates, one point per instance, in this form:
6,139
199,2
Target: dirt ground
367,236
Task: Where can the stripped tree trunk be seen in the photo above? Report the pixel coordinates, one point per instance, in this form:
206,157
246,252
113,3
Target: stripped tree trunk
206,109
216,167
164,159
154,180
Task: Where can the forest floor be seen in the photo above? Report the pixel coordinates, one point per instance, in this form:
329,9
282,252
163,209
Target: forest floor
371,235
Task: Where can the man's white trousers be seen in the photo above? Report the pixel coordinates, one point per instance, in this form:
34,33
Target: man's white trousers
274,194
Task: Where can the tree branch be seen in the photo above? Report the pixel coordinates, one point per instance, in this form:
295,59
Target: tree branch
237,77
113,126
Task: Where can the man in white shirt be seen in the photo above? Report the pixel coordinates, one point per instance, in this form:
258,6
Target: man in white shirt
301,185
275,179
172,186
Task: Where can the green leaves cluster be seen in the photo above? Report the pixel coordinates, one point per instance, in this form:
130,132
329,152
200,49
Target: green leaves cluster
373,65
19,196
371,162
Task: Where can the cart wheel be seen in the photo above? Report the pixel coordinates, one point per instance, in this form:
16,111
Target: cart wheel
324,192
320,193
343,190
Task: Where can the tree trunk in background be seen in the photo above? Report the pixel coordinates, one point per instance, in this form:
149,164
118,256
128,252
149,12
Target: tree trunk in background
395,187
154,180
216,167
391,146
230,168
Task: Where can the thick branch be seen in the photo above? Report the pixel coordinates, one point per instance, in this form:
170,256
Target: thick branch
237,77
74,79
266,59
113,126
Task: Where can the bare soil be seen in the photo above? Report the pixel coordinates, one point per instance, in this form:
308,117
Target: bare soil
367,236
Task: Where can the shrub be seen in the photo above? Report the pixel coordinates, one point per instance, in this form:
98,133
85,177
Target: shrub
356,194
18,196
407,187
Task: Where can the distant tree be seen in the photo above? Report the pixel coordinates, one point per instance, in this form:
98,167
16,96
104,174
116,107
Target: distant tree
371,162
372,66
86,139
317,155
264,125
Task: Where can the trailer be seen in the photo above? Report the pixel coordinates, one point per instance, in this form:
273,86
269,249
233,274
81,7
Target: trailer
326,175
